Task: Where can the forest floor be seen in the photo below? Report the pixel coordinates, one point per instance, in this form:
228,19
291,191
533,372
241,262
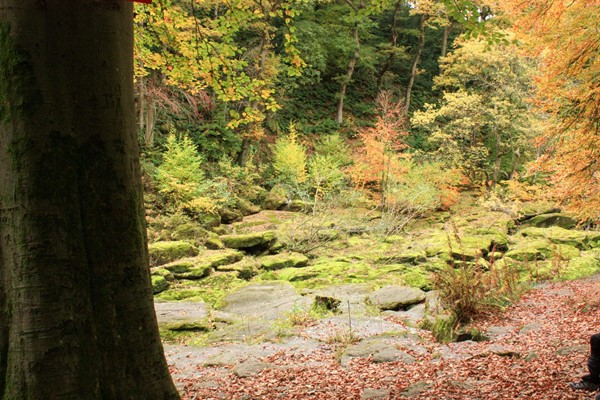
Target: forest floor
535,348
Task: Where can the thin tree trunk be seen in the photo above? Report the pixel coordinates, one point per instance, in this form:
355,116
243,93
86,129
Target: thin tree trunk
77,318
415,63
393,42
445,36
265,48
348,77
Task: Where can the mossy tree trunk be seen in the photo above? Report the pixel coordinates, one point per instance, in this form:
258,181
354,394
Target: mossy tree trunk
76,313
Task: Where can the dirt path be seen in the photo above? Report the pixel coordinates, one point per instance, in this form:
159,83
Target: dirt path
537,346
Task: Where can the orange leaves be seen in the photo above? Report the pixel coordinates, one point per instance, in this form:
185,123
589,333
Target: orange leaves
564,35
378,156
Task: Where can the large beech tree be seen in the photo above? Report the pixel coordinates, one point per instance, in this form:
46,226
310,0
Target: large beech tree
76,313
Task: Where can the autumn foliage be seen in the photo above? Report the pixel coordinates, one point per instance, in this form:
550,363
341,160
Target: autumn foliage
564,35
377,158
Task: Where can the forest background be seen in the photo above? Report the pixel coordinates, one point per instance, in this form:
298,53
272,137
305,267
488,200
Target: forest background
395,104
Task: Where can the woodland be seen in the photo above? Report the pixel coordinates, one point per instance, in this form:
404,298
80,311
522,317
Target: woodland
358,199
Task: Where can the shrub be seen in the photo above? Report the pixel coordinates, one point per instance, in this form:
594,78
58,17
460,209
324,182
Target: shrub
179,176
468,289
289,159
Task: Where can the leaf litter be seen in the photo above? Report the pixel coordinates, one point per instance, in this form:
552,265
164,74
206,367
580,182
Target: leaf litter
543,345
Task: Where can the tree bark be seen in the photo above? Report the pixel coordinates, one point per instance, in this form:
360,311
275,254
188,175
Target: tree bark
77,318
393,42
415,63
348,77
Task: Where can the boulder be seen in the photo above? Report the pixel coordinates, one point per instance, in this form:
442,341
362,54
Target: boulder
159,284
246,207
283,260
165,252
190,231
250,242
396,297
552,219
229,216
214,243
276,199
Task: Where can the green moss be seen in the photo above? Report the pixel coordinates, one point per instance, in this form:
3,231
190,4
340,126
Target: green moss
283,260
210,289
165,252
546,220
581,267
541,249
159,284
580,239
248,240
417,277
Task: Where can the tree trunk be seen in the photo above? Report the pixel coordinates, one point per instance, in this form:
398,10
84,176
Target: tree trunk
393,42
77,318
445,37
415,63
348,77
263,54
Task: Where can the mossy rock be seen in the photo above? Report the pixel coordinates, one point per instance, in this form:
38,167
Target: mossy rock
552,219
541,249
276,199
418,278
580,267
583,240
201,266
468,248
246,207
229,216
249,241
214,243
165,252
283,260
191,268
208,219
165,273
178,294
297,205
190,231
409,257
159,284
247,268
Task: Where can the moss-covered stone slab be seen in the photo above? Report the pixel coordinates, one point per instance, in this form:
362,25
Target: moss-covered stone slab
583,240
265,300
249,241
541,249
247,268
283,260
553,219
165,273
159,284
408,257
165,252
214,243
396,297
201,266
